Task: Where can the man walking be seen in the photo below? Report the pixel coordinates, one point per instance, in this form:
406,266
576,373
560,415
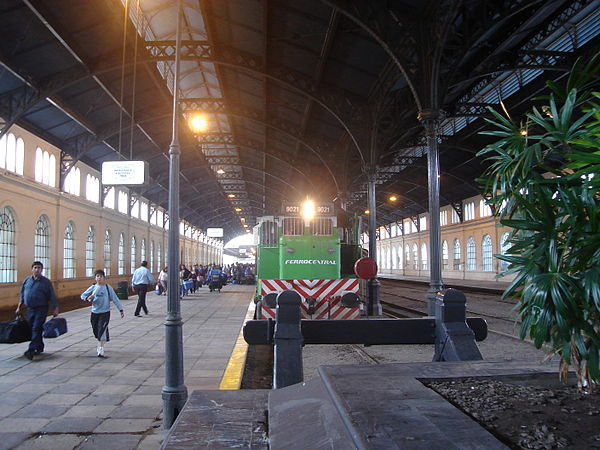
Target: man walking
141,278
38,294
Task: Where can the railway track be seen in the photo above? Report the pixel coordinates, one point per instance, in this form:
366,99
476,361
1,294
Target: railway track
408,300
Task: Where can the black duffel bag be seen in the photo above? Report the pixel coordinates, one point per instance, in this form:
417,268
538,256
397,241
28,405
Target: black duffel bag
15,331
54,327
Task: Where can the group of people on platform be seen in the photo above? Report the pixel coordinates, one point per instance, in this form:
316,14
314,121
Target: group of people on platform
212,275
241,273
37,293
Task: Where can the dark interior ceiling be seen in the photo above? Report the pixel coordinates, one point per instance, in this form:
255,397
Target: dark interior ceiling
304,98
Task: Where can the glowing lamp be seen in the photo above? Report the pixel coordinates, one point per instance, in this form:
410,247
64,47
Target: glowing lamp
308,209
198,123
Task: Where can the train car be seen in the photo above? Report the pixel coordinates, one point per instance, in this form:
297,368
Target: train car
311,250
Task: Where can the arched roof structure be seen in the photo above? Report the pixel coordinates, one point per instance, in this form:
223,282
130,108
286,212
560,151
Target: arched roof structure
303,97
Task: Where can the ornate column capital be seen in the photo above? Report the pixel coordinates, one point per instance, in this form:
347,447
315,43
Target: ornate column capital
430,118
371,172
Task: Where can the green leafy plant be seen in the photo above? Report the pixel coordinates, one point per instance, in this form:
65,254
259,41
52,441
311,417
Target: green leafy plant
544,181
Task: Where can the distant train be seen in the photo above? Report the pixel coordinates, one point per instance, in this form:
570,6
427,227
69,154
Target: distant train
311,250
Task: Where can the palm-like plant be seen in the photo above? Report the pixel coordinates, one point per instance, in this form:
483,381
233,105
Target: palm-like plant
544,179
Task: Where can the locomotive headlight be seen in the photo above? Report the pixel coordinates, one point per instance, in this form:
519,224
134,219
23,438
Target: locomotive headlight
308,210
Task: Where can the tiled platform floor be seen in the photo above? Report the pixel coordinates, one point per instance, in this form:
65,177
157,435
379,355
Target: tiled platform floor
70,398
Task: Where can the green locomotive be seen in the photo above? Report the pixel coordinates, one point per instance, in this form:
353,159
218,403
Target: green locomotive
312,250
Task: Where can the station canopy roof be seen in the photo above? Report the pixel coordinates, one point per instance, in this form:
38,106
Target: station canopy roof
303,99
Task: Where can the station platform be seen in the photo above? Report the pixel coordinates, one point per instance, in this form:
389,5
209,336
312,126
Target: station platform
69,398
493,287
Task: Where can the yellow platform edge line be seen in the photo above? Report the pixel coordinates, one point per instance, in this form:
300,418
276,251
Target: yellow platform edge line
232,377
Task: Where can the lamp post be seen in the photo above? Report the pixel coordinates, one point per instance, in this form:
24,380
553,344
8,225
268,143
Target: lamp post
431,118
174,392
374,305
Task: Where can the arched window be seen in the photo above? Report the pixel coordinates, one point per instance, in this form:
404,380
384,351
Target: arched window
8,263
3,152
45,168
415,257
39,167
135,208
407,256
144,211
445,254
133,254
121,254
457,255
423,256
159,257
484,209
109,198
504,246
394,258
51,169
471,254
92,188
89,251
151,262
20,156
69,251
143,251
107,251
11,152
123,202
400,263
41,244
73,181
486,252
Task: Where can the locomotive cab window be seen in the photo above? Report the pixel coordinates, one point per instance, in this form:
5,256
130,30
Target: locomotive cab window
321,227
268,233
293,226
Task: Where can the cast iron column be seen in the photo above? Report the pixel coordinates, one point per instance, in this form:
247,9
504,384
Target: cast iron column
430,118
174,392
374,307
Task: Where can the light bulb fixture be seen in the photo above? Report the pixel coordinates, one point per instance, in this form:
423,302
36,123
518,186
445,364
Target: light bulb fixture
238,209
220,171
367,211
308,209
231,195
392,198
198,123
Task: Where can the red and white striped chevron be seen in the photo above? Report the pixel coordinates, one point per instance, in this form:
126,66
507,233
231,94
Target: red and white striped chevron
327,294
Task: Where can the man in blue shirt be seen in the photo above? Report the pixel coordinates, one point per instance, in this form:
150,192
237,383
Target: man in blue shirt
38,294
141,278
